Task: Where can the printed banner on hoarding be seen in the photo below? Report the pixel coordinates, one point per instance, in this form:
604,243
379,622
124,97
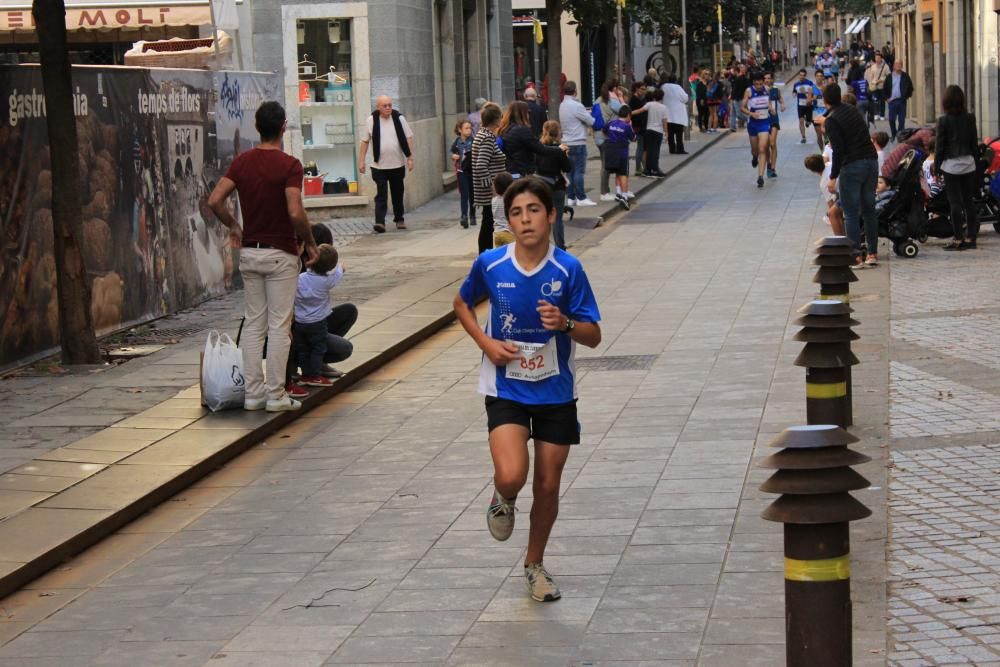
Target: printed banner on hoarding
111,18
153,144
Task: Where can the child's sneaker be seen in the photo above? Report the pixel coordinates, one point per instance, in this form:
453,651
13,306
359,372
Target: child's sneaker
623,200
500,517
315,381
295,390
540,583
607,196
630,195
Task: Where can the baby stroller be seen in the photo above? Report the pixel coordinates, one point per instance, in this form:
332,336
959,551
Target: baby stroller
939,212
903,220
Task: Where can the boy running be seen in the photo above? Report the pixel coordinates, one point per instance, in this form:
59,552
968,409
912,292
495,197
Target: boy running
805,98
541,305
776,99
757,106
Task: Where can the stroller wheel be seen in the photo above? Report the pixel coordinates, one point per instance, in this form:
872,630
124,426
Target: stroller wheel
922,238
908,249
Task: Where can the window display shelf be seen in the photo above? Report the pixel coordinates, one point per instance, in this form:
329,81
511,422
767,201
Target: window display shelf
333,103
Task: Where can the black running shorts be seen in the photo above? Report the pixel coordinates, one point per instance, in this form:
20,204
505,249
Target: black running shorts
806,113
554,423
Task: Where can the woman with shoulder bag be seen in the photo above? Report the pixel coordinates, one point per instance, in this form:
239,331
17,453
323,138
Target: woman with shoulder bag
957,144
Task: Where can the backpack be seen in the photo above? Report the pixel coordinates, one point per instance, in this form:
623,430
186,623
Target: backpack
595,113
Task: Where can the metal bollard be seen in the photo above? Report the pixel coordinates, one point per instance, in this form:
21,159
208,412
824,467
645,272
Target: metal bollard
833,257
827,358
814,477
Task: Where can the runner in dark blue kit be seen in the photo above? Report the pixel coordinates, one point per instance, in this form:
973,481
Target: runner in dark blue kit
541,306
776,101
757,106
804,100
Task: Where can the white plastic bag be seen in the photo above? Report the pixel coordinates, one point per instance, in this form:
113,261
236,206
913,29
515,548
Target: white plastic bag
222,383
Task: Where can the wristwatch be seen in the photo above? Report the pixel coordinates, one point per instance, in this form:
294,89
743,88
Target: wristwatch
570,325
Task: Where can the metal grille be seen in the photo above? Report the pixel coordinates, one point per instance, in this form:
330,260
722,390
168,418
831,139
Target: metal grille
625,362
151,335
678,211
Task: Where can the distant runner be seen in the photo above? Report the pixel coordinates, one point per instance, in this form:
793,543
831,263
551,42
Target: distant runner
757,106
776,99
804,100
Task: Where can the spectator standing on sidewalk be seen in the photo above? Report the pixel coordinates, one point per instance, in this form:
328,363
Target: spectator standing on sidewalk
656,127
676,99
609,104
392,155
575,119
461,155
898,88
637,103
269,185
487,161
876,74
855,166
474,117
740,84
957,146
538,113
520,144
551,167
701,100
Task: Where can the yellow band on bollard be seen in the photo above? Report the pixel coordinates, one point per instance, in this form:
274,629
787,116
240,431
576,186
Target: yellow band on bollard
843,298
825,569
829,390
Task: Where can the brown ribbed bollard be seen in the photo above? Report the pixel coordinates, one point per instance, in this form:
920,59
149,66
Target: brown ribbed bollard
814,477
833,257
827,358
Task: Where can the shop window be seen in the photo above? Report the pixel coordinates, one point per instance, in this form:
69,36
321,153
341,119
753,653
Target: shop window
326,107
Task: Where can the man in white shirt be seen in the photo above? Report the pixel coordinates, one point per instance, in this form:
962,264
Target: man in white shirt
575,119
392,156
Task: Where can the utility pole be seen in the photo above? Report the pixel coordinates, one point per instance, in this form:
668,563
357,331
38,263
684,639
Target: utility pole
620,50
684,65
718,9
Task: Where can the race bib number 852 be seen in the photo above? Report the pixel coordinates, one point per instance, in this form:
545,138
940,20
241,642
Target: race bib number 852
538,361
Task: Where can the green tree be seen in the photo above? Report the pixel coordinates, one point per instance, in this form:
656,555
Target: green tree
76,324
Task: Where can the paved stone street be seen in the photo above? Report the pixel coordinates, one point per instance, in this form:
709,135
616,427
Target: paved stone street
356,535
944,556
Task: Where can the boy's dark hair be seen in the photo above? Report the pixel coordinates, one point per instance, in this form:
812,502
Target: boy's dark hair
327,260
880,138
831,95
658,94
815,163
502,182
532,185
270,119
321,233
624,111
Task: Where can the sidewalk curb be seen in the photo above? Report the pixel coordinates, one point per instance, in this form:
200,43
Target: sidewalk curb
49,558
75,539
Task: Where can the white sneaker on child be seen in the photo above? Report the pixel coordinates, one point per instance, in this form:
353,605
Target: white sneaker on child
607,196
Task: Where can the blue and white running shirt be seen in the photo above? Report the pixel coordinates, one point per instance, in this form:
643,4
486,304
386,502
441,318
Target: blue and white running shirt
546,374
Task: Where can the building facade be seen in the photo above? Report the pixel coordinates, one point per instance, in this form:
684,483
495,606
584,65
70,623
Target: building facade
433,57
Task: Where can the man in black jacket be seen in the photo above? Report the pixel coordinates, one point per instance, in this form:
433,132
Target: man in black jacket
897,89
855,164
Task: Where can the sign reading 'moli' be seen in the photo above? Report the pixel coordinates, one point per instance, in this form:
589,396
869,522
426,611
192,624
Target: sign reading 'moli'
113,17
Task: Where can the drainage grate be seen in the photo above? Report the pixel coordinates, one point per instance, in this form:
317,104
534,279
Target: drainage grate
153,335
625,362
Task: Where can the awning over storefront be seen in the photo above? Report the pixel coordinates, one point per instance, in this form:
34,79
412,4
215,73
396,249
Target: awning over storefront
850,28
15,16
858,25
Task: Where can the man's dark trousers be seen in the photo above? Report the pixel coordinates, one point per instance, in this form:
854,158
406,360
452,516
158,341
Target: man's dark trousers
385,180
897,116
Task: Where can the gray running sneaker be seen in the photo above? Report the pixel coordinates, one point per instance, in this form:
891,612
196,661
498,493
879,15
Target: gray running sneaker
500,517
540,583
